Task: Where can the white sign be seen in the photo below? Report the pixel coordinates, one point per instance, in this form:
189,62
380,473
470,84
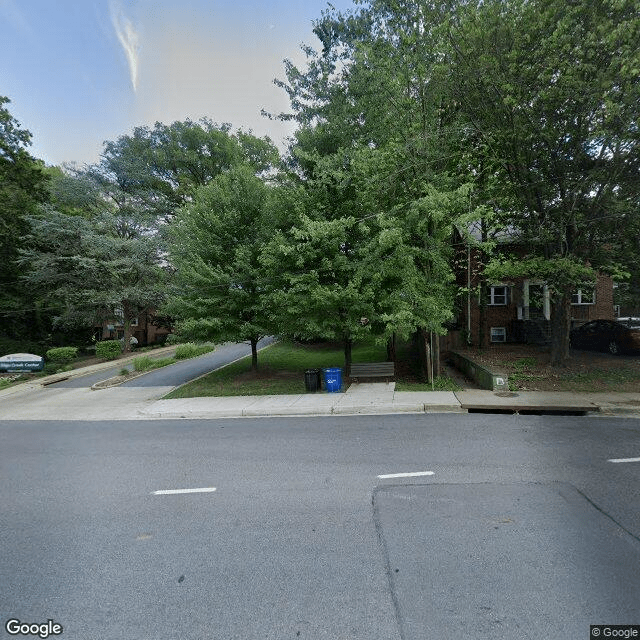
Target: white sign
18,362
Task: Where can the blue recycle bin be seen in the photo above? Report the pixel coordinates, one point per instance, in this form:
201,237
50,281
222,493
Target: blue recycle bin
332,379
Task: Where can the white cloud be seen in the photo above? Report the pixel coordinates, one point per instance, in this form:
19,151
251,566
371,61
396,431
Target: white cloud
128,37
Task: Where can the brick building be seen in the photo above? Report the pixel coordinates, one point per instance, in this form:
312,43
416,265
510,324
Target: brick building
145,329
519,310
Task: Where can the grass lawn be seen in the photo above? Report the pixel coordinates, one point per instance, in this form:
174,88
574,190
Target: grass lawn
440,383
281,370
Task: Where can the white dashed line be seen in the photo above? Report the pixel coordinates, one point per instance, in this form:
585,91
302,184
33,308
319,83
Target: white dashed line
625,460
170,492
414,474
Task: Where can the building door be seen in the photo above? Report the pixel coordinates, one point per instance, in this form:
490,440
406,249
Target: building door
536,302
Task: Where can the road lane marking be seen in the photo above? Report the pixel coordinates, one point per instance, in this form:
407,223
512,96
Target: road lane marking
170,492
625,460
414,474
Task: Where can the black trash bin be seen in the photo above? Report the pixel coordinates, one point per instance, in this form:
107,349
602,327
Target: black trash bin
312,380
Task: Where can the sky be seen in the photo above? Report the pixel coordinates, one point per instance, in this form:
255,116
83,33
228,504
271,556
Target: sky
80,72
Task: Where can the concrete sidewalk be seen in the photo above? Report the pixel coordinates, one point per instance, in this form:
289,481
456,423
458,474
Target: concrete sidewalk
381,398
37,401
373,398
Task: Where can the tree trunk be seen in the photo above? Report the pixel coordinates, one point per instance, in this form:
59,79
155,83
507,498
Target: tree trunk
435,354
127,319
254,354
424,354
391,348
428,363
348,343
560,328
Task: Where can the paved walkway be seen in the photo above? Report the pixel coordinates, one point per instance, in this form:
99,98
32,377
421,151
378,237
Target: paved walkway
146,403
42,400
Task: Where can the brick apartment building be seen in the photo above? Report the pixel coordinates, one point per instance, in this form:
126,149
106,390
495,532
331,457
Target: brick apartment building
143,329
519,310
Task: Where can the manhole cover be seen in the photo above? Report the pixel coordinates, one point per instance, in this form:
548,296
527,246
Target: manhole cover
505,394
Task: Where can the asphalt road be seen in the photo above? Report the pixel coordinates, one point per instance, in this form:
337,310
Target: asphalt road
524,530
175,374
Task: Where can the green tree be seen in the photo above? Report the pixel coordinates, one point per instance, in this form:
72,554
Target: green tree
168,163
23,186
215,243
533,103
378,139
317,287
92,255
550,93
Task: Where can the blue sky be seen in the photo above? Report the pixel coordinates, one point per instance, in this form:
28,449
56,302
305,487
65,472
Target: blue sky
79,72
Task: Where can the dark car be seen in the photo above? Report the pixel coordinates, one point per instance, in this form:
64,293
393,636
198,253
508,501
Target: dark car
606,335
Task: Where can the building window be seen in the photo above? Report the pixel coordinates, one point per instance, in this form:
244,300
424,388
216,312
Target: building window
584,296
498,295
134,322
498,334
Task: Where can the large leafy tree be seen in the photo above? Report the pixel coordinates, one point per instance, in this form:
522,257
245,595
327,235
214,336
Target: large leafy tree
168,163
376,137
215,244
95,268
534,103
23,186
317,284
550,91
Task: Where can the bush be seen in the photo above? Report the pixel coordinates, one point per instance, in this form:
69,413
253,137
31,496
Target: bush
143,363
108,349
191,350
172,339
62,355
163,362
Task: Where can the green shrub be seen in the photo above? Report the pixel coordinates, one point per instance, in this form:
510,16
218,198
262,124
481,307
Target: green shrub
62,355
163,362
172,339
191,350
108,349
143,363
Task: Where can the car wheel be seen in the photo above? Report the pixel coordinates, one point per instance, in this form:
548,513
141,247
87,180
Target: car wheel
614,349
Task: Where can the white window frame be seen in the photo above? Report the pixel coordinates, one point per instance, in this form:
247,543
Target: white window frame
494,334
492,295
583,292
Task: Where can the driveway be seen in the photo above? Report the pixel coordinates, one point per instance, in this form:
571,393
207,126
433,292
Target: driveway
173,375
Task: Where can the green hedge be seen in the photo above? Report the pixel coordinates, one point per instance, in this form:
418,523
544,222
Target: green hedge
108,349
62,355
191,350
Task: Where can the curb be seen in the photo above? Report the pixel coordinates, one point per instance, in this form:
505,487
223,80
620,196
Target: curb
117,380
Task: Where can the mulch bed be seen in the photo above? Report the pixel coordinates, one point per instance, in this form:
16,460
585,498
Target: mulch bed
528,368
